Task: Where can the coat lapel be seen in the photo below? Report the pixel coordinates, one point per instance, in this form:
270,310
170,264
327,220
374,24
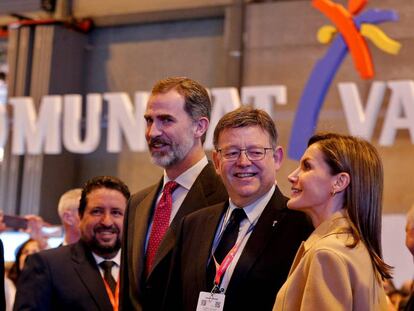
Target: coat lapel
88,272
266,226
298,257
194,199
209,229
197,198
142,216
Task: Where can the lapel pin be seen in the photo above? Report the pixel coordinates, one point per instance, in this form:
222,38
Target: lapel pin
274,223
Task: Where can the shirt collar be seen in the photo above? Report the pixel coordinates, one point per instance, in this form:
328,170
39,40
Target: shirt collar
116,259
255,209
187,179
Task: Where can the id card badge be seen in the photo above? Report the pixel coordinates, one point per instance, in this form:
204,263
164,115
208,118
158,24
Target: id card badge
208,301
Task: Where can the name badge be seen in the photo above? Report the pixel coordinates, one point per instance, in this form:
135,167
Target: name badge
208,301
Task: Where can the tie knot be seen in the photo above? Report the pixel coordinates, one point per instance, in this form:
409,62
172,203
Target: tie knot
238,215
107,265
170,187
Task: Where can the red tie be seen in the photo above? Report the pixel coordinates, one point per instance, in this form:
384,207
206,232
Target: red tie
160,223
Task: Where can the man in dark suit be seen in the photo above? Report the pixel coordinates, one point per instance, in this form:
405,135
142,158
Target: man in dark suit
409,242
177,118
240,250
75,277
2,296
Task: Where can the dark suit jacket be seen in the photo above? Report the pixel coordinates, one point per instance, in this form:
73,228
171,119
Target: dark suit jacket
410,303
262,267
138,292
64,278
2,297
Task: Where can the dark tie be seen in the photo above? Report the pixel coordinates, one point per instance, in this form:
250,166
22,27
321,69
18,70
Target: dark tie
160,223
107,268
227,241
229,236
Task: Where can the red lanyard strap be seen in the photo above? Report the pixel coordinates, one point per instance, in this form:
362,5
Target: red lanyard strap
221,269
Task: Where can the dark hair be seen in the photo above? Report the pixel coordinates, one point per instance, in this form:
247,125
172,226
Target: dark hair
109,182
196,98
246,116
363,196
14,272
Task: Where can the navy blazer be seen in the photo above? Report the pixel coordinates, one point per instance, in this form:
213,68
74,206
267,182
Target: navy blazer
2,296
63,278
138,292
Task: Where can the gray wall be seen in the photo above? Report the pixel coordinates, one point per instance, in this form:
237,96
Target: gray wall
132,58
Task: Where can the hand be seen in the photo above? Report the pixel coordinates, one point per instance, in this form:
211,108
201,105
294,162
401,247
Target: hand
34,229
2,224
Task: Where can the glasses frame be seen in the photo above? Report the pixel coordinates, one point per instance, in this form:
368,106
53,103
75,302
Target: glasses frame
245,152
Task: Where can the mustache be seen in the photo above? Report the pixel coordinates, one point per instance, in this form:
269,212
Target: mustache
158,140
103,228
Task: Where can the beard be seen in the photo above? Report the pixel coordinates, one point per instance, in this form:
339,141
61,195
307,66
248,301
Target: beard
174,154
104,250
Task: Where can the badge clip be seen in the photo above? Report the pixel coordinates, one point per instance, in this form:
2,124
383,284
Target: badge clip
216,290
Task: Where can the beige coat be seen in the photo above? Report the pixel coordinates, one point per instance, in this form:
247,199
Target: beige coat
328,275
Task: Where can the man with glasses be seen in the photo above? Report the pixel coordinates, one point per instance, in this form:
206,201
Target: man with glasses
240,250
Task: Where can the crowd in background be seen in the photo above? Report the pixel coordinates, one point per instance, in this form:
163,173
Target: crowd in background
37,241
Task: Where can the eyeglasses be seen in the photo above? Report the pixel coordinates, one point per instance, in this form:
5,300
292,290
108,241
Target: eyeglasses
253,154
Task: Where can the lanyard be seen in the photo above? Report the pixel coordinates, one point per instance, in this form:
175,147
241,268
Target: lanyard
222,268
114,299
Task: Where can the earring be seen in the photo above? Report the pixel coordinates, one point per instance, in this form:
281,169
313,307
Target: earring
333,192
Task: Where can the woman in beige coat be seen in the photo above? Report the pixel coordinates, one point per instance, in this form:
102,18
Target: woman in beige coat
339,185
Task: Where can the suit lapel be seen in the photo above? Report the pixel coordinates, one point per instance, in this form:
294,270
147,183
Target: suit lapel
142,216
209,229
265,228
193,201
88,272
199,194
196,198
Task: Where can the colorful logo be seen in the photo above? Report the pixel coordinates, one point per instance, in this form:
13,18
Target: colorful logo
351,26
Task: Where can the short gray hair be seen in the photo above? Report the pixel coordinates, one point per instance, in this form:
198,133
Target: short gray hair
69,200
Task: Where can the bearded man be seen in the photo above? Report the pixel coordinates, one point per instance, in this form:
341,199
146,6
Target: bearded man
84,275
177,118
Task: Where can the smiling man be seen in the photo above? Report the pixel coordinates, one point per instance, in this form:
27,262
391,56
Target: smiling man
177,118
242,249
84,275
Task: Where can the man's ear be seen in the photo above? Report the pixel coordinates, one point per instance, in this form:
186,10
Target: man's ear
278,156
201,126
216,161
68,218
342,181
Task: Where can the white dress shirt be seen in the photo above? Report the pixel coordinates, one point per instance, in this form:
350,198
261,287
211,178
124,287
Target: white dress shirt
115,268
253,212
185,182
